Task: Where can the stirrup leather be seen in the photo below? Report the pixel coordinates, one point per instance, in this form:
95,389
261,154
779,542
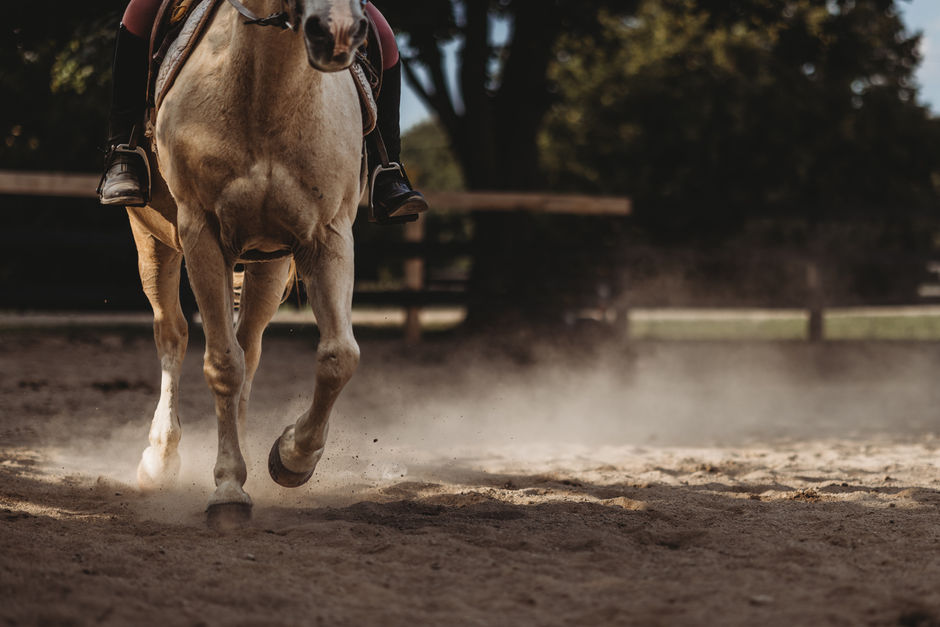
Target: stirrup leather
145,185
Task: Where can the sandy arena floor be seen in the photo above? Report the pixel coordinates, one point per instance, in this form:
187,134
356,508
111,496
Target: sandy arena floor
664,484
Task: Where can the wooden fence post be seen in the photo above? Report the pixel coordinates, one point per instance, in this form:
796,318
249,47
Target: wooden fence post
414,280
815,327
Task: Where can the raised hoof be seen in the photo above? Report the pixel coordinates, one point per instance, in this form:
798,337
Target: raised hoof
228,516
282,475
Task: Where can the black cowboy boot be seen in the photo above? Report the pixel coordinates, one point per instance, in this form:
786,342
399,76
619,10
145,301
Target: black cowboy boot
126,178
391,195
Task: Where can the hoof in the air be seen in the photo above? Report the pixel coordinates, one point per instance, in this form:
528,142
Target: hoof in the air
228,516
280,474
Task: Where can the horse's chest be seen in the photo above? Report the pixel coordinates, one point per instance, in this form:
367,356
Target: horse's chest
272,202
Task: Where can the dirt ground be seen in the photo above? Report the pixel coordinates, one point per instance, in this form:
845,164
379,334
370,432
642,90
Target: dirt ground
485,484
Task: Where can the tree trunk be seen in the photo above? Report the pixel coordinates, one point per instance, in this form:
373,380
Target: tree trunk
495,139
508,284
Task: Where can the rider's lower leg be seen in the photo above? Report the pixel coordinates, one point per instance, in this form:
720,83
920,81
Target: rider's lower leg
126,179
391,193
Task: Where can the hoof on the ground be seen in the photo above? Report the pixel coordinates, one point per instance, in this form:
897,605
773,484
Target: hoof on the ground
281,474
227,516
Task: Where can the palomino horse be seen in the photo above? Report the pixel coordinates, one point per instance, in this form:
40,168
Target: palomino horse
261,157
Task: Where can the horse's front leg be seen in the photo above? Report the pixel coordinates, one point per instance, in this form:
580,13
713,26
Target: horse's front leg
261,297
329,280
210,273
159,267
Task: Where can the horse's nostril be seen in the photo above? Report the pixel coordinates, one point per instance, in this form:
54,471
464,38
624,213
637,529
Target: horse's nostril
315,28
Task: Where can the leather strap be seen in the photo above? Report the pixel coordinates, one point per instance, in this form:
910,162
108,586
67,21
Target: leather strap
378,144
281,20
374,139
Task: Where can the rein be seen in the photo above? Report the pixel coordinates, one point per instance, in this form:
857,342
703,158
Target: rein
281,20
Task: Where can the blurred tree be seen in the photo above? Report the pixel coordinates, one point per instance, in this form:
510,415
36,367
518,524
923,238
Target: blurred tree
708,112
492,116
431,161
713,114
55,76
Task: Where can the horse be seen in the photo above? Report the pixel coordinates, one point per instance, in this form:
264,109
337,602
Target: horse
259,160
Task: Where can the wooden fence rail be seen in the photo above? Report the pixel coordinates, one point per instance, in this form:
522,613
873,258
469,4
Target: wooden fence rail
80,185
16,183
414,247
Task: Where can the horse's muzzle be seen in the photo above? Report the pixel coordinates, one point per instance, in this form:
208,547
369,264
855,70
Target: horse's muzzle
332,47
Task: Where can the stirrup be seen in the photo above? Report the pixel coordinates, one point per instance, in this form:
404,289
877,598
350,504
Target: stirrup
128,149
380,169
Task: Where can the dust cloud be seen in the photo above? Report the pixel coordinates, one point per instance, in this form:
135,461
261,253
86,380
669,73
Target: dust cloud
446,408
662,394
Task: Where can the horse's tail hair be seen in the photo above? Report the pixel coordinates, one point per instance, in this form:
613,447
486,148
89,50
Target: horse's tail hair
293,282
238,282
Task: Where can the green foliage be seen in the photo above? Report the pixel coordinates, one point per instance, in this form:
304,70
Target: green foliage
785,325
713,111
55,60
83,63
427,152
493,110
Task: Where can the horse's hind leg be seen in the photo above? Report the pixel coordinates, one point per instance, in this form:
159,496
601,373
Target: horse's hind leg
329,281
261,297
210,274
159,267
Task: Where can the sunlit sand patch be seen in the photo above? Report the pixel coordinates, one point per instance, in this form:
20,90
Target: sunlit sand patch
18,506
20,459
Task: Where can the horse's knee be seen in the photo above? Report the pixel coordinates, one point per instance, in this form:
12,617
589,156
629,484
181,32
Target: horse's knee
225,371
250,341
336,362
171,334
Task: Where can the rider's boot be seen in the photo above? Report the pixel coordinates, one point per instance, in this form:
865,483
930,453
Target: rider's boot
392,197
126,177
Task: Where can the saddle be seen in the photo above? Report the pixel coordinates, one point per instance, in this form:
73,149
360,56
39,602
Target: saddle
179,26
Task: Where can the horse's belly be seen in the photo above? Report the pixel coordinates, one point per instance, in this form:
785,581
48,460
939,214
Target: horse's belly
263,245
